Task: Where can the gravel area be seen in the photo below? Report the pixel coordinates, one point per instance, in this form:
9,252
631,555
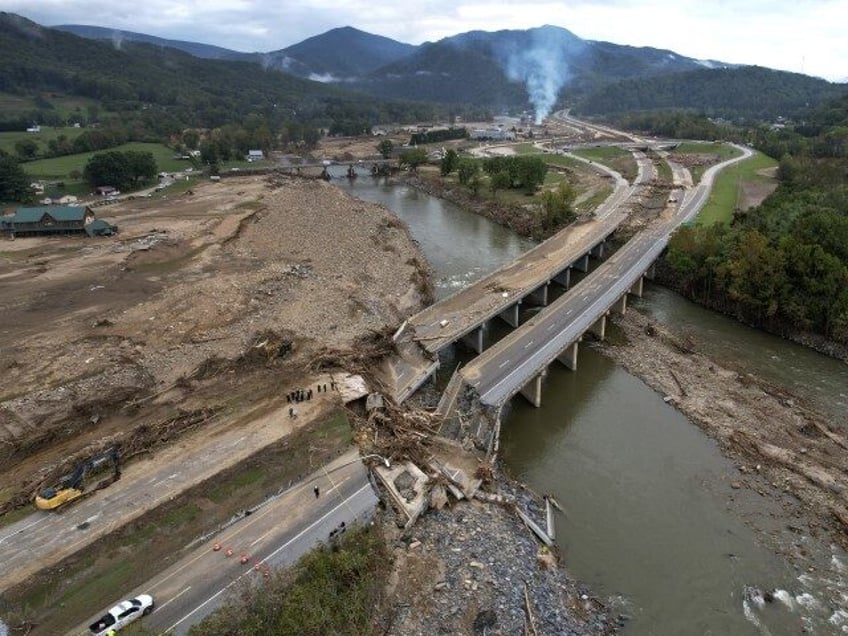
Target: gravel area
465,569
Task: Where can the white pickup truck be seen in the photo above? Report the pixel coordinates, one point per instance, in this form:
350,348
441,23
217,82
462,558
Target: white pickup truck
122,615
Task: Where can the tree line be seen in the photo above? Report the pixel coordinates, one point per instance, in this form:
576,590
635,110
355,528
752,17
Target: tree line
783,265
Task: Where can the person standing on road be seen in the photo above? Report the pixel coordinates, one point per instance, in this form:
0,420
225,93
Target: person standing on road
317,492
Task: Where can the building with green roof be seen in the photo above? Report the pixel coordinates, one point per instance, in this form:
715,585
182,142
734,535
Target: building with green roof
54,219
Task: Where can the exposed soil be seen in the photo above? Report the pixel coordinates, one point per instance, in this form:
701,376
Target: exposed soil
204,302
775,439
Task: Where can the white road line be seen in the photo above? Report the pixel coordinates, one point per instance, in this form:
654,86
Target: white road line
270,556
28,526
171,600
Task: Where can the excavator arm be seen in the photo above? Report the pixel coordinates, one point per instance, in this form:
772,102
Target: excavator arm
74,485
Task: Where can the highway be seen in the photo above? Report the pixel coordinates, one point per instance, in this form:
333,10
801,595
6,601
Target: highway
43,538
501,371
277,534
448,320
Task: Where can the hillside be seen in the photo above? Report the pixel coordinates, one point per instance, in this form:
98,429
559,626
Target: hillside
750,92
118,37
346,52
167,88
512,69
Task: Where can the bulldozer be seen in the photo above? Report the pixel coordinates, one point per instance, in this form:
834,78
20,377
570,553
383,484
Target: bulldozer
79,483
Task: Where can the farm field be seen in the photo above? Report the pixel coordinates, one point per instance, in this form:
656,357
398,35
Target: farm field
62,167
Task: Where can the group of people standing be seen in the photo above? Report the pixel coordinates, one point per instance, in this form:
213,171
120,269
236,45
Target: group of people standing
301,395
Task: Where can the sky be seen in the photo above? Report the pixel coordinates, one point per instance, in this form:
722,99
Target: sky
805,36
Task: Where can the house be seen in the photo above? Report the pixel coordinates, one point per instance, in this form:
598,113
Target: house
68,199
35,128
37,187
255,155
47,220
106,191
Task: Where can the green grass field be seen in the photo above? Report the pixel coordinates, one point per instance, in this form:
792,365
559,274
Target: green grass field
61,167
727,189
616,158
8,139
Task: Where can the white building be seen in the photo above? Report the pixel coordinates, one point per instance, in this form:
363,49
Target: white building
255,155
495,134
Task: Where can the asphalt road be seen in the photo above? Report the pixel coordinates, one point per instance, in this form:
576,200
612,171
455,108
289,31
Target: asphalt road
44,538
501,371
472,305
276,535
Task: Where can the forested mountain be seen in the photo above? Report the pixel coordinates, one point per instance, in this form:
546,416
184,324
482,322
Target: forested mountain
504,68
344,53
749,92
167,89
340,53
118,37
537,69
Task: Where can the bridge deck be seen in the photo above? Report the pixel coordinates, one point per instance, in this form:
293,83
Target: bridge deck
494,293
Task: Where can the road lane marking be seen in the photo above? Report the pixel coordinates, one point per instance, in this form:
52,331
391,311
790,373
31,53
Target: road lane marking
334,487
26,527
171,600
270,556
239,528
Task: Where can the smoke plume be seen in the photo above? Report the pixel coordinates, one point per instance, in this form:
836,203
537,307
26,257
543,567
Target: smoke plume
542,66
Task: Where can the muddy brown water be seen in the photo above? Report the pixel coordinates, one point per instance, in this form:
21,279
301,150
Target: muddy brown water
651,523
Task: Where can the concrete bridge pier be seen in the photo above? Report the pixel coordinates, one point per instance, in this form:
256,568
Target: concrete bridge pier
600,327
532,391
598,250
636,290
539,296
569,357
621,305
474,339
582,263
563,278
510,315
651,273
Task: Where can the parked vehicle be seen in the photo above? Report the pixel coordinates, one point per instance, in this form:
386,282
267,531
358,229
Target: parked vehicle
122,615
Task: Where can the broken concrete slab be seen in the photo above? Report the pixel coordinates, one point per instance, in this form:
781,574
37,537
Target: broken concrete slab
407,488
351,387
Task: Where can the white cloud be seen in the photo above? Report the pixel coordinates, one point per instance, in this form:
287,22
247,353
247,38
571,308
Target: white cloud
805,35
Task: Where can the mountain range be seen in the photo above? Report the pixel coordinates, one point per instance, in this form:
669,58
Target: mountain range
536,69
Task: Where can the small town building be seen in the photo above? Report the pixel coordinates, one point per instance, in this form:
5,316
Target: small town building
255,155
47,220
35,128
494,134
106,191
68,199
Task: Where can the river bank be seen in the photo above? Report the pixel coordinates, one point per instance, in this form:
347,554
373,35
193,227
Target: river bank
782,447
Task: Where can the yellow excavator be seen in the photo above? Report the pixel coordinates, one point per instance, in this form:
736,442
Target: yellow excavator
77,484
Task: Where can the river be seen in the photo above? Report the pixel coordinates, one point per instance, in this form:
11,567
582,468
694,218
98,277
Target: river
651,520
